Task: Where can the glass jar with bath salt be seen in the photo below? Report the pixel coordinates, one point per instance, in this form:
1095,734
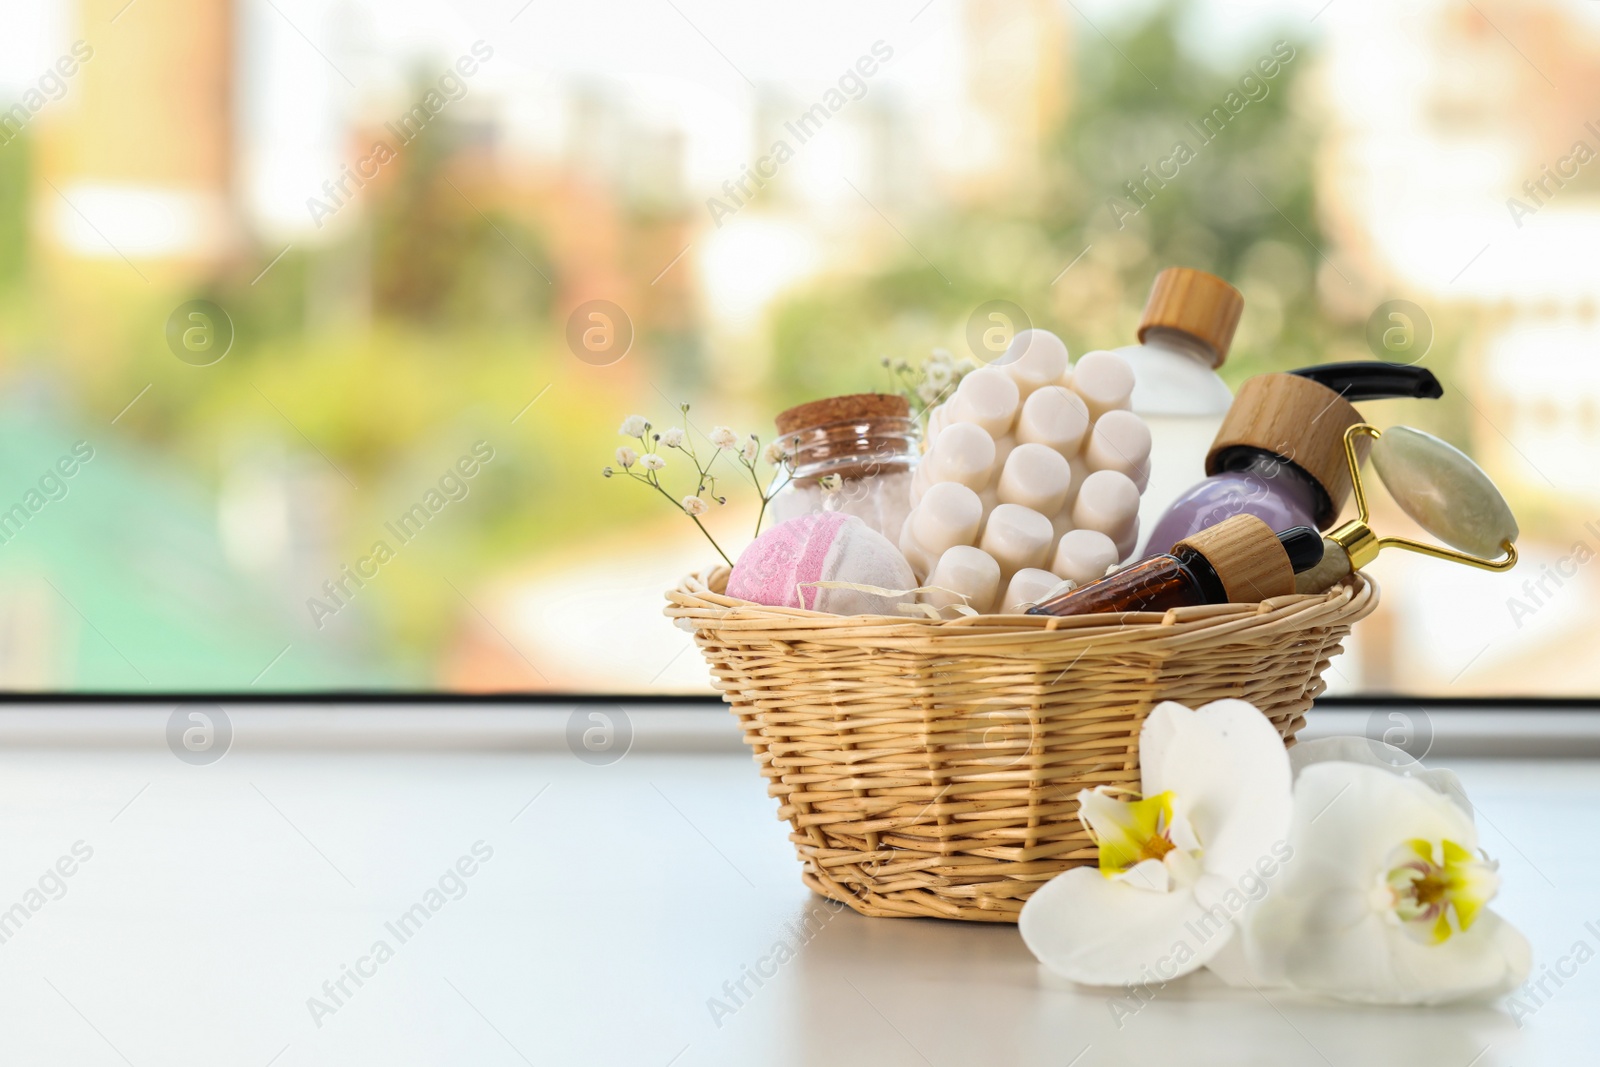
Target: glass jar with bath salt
853,454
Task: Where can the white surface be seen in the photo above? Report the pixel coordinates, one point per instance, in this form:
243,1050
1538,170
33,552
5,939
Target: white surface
219,898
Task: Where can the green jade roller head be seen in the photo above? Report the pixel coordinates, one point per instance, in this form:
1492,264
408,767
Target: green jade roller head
1439,487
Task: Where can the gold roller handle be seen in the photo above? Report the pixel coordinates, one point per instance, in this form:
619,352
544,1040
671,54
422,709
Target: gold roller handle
1362,544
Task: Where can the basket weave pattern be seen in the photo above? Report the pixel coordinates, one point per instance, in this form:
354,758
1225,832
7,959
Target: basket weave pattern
931,768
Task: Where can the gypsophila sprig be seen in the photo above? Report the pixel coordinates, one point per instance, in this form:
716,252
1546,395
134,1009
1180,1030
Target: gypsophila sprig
777,457
645,463
931,383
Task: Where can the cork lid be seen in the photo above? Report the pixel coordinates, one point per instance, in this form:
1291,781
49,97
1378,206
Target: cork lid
842,409
1199,304
1299,421
1250,561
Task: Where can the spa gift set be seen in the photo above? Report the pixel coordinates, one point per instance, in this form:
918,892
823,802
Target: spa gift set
966,649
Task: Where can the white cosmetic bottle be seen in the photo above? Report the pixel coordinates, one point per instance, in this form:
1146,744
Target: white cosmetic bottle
1184,335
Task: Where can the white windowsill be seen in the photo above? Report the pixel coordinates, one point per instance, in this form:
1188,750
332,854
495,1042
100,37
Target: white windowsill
1458,733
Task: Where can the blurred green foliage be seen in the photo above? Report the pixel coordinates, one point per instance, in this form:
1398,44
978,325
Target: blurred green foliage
377,358
1242,207
16,159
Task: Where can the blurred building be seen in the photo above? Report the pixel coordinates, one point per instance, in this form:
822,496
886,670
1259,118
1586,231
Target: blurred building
1461,170
1443,173
139,161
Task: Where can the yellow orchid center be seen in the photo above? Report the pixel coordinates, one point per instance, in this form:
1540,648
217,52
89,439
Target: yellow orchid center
1127,831
1436,889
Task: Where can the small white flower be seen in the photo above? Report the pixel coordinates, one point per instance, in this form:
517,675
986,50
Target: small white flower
626,457
775,454
693,505
938,374
752,448
673,438
652,462
723,437
928,392
830,483
633,426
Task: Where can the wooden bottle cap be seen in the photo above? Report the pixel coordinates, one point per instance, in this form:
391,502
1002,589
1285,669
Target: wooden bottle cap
1248,557
1199,304
1299,421
842,409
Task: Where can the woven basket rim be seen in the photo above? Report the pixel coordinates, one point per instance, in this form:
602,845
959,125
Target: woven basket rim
696,601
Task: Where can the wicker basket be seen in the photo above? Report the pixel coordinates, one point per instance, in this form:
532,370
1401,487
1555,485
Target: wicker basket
930,768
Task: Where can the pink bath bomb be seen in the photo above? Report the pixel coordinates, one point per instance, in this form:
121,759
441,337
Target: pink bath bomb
825,546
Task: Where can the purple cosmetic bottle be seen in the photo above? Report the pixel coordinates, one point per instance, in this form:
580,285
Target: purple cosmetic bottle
1279,454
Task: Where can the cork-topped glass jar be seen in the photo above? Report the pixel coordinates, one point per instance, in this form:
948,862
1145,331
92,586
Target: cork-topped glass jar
852,454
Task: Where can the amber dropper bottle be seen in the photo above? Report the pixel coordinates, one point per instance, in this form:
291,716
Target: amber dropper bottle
1237,561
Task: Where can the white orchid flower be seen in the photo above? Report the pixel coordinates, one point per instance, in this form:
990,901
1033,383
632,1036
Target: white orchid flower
1384,900
1179,864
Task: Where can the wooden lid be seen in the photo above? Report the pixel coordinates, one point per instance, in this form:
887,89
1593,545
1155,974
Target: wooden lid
1299,421
1248,557
1199,304
842,409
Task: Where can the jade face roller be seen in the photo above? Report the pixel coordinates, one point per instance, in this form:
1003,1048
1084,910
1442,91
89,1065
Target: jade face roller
1439,487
